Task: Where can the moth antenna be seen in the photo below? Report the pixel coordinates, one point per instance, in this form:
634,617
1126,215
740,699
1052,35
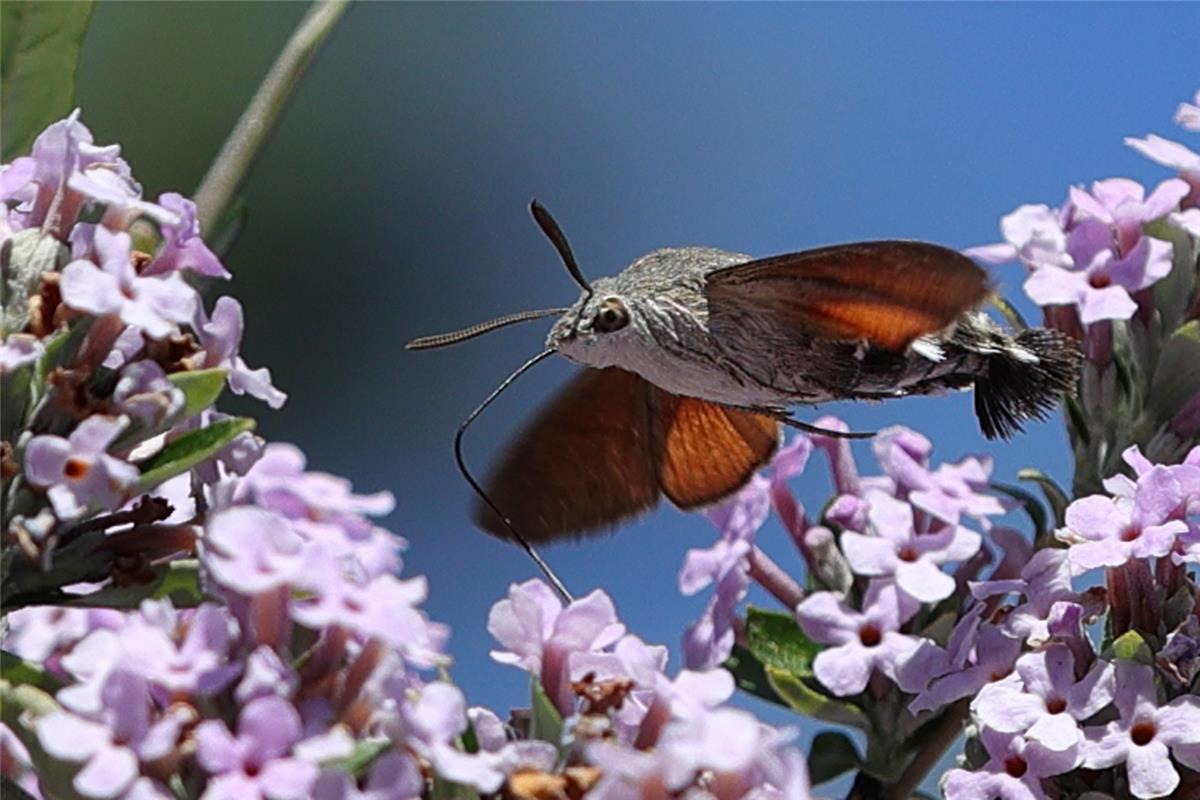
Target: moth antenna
559,239
466,473
479,329
804,426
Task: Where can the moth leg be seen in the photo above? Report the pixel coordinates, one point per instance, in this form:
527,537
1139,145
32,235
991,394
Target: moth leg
807,428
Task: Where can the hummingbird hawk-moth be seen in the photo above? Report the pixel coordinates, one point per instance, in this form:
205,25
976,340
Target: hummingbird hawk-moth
693,355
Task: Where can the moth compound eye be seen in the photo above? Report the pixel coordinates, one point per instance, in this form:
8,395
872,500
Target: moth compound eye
612,316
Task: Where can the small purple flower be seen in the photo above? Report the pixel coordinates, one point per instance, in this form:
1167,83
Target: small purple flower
17,350
433,722
789,462
837,450
384,608
1091,254
709,640
256,763
76,471
1104,532
655,699
1048,703
42,633
1146,735
265,673
1014,771
112,747
394,776
1123,207
864,640
182,654
144,393
251,550
1044,581
182,247
154,305
540,635
278,481
221,338
1033,235
1174,155
896,550
1101,289
60,155
727,751
962,670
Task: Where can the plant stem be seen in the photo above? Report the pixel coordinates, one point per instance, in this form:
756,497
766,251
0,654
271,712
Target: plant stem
942,736
258,120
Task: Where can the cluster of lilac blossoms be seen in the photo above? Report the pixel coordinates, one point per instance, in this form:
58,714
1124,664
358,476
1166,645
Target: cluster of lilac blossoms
1115,266
920,614
191,612
288,644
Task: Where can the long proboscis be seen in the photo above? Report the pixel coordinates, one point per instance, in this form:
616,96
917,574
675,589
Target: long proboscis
479,329
466,473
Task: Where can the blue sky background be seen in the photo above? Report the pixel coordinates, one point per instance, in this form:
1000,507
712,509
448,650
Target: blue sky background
392,203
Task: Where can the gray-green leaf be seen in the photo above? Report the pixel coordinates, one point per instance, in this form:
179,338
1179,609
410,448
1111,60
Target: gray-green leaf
189,450
201,387
177,581
547,722
831,754
777,641
41,46
1176,379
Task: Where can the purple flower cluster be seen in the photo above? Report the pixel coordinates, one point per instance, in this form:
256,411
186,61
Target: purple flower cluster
643,733
1114,267
291,643
896,532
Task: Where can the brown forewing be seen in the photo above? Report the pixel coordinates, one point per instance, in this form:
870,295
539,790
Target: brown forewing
888,293
705,451
581,465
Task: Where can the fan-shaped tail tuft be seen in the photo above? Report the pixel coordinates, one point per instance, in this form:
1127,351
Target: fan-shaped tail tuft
1025,380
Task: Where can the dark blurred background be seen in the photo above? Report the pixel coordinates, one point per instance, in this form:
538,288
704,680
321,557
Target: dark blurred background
392,200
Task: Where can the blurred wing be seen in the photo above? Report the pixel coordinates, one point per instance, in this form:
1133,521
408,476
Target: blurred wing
888,293
706,451
581,465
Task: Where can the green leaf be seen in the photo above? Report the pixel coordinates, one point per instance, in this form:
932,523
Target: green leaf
803,698
832,753
1176,379
1132,647
1056,498
59,350
20,672
749,675
547,723
777,641
189,450
365,753
41,46
1033,506
201,387
177,581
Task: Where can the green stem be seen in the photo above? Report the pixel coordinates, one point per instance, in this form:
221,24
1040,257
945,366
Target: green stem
944,734
248,136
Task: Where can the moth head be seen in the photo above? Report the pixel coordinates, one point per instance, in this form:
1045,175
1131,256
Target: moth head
597,328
